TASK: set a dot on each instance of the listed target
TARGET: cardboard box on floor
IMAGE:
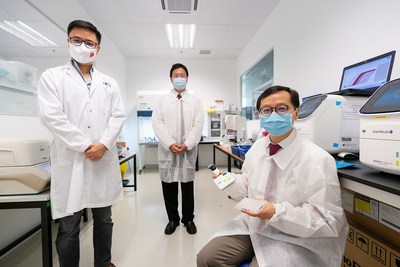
(382, 219)
(365, 249)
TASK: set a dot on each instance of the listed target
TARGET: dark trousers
(170, 193)
(67, 242)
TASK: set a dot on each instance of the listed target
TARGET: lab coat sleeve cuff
(106, 144)
(280, 209)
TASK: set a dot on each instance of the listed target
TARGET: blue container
(235, 150)
(243, 150)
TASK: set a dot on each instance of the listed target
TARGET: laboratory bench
(143, 147)
(237, 161)
(362, 179)
(125, 182)
(41, 201)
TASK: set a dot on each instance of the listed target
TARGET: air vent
(204, 52)
(179, 6)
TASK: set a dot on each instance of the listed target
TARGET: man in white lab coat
(303, 223)
(83, 110)
(178, 123)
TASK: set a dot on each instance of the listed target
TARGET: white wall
(314, 40)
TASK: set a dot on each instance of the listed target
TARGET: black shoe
(170, 228)
(191, 227)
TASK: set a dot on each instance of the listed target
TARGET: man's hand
(265, 213)
(178, 148)
(95, 151)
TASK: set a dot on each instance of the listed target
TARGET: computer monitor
(368, 75)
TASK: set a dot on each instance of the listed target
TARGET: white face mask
(82, 54)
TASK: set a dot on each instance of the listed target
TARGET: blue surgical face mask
(179, 83)
(276, 124)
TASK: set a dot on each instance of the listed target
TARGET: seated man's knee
(206, 257)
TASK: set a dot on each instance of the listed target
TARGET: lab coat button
(89, 127)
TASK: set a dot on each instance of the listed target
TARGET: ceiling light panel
(181, 35)
(26, 33)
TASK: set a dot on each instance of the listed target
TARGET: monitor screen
(369, 74)
(386, 99)
(310, 105)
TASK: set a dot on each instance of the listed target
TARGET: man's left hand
(181, 148)
(96, 151)
(264, 213)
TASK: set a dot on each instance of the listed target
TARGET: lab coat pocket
(165, 159)
(190, 158)
(289, 192)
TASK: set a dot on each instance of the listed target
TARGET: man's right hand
(178, 148)
(175, 148)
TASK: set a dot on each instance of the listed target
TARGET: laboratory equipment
(331, 121)
(24, 166)
(380, 129)
(235, 127)
(365, 77)
(223, 180)
(216, 124)
(253, 130)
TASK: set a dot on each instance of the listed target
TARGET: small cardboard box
(370, 213)
(365, 249)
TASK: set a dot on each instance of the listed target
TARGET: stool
(246, 263)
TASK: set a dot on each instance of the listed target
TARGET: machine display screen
(310, 105)
(387, 99)
(369, 74)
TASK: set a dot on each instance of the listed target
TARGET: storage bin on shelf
(243, 150)
(15, 71)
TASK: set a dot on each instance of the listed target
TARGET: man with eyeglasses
(178, 123)
(83, 110)
(302, 223)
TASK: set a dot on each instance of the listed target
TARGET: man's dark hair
(84, 25)
(177, 66)
(294, 95)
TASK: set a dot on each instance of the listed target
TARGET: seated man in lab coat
(303, 223)
(83, 110)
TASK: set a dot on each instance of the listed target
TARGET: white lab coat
(166, 121)
(309, 227)
(77, 118)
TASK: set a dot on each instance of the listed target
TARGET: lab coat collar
(289, 149)
(72, 72)
(173, 96)
(96, 80)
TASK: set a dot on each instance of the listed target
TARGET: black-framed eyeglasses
(281, 109)
(78, 41)
(179, 75)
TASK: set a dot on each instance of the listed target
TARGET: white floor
(139, 222)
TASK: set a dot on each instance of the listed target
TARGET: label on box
(364, 250)
(367, 206)
(389, 216)
(347, 201)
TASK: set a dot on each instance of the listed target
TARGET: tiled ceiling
(136, 27)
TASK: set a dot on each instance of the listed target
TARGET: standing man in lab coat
(178, 123)
(83, 110)
(303, 223)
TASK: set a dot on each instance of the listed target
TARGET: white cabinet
(17, 99)
(216, 124)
